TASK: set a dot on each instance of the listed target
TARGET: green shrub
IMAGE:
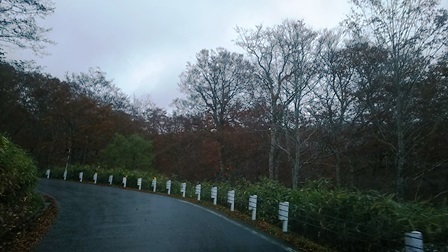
(17, 171)
(17, 183)
(356, 219)
(133, 153)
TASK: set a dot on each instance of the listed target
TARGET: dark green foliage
(340, 218)
(351, 220)
(133, 153)
(17, 183)
(17, 170)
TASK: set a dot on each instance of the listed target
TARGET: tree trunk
(272, 152)
(401, 148)
(338, 169)
(352, 172)
(221, 156)
(296, 168)
(297, 149)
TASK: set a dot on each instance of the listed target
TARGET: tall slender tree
(285, 57)
(336, 97)
(216, 84)
(272, 71)
(413, 33)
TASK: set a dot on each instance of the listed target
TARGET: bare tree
(19, 23)
(304, 45)
(336, 96)
(284, 56)
(412, 32)
(95, 85)
(214, 85)
(154, 119)
(272, 70)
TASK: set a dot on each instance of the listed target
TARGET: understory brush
(18, 200)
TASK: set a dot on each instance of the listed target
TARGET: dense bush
(133, 152)
(350, 219)
(17, 182)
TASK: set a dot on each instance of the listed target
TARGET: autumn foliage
(359, 106)
(58, 126)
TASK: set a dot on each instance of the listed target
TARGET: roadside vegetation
(18, 199)
(335, 218)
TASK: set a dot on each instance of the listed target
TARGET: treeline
(365, 105)
(57, 121)
(74, 121)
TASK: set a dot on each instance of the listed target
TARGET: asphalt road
(99, 218)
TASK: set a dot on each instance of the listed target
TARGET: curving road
(99, 218)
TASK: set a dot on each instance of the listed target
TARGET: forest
(364, 105)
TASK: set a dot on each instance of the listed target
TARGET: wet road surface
(99, 218)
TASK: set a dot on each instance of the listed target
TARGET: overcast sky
(144, 45)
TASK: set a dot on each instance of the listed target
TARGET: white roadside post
(168, 186)
(183, 189)
(413, 241)
(283, 212)
(111, 179)
(95, 177)
(253, 206)
(48, 173)
(80, 176)
(214, 195)
(154, 184)
(65, 174)
(198, 191)
(139, 183)
(125, 179)
(231, 199)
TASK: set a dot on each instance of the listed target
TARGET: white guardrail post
(231, 199)
(65, 174)
(413, 241)
(80, 176)
(214, 194)
(198, 191)
(183, 189)
(48, 173)
(283, 212)
(125, 179)
(111, 179)
(95, 177)
(139, 183)
(253, 206)
(168, 186)
(154, 184)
